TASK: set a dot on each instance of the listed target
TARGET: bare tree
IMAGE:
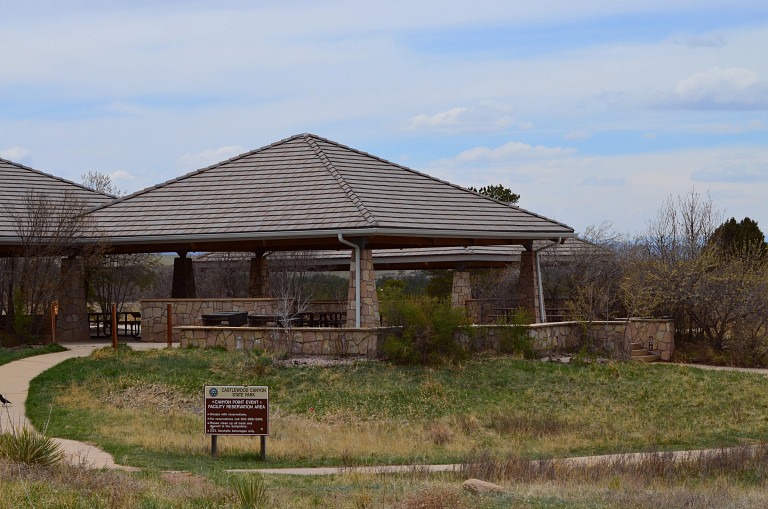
(118, 279)
(289, 274)
(49, 227)
(222, 275)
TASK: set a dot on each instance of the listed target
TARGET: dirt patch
(176, 477)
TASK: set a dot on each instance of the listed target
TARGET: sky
(593, 111)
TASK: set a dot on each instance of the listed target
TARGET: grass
(729, 480)
(146, 409)
(13, 354)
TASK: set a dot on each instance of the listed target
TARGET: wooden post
(214, 448)
(53, 322)
(114, 325)
(263, 447)
(169, 332)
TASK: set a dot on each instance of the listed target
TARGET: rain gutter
(357, 276)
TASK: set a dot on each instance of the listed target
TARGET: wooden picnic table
(101, 324)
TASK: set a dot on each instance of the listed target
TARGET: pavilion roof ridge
(367, 215)
(54, 177)
(426, 175)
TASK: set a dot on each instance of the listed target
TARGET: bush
(514, 339)
(426, 330)
(251, 491)
(30, 447)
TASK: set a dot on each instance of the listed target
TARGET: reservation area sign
(236, 410)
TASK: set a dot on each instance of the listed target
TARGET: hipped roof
(302, 192)
(19, 182)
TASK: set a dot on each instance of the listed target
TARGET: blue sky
(593, 111)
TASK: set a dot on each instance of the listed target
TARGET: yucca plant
(251, 491)
(25, 445)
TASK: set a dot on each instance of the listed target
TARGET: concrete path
(14, 385)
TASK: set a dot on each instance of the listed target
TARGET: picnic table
(230, 318)
(101, 324)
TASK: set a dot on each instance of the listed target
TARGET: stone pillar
(183, 278)
(72, 322)
(258, 283)
(528, 286)
(369, 301)
(462, 288)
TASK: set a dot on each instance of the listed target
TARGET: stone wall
(369, 300)
(72, 322)
(612, 337)
(297, 341)
(154, 320)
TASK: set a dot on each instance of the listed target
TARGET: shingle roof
(18, 181)
(307, 187)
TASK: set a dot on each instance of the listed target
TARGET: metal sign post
(237, 410)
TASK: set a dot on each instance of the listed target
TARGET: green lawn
(146, 409)
(13, 354)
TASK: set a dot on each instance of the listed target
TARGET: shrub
(515, 339)
(426, 330)
(27, 446)
(251, 491)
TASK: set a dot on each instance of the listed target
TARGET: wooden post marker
(114, 325)
(169, 332)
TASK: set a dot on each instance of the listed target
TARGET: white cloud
(487, 117)
(444, 119)
(732, 128)
(578, 135)
(208, 157)
(708, 40)
(15, 154)
(716, 88)
(511, 150)
(121, 175)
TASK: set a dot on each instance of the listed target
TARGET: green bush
(515, 339)
(27, 446)
(425, 330)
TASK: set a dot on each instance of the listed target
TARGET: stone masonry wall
(461, 290)
(613, 337)
(297, 341)
(154, 321)
(72, 322)
(369, 300)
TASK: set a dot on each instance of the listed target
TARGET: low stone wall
(154, 317)
(613, 337)
(296, 341)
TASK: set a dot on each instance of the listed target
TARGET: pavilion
(307, 193)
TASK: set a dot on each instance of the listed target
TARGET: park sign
(236, 410)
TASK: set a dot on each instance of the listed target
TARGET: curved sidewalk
(14, 385)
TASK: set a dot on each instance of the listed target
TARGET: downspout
(542, 310)
(357, 276)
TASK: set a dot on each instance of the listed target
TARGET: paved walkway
(14, 385)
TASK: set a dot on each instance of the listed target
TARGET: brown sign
(236, 410)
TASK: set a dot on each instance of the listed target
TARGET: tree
(712, 280)
(498, 192)
(100, 182)
(49, 227)
(732, 235)
(116, 278)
